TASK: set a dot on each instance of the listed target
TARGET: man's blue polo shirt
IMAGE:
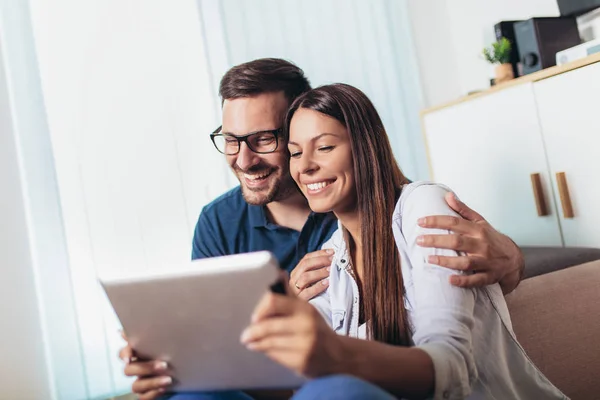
(229, 225)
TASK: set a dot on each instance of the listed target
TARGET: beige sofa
(556, 317)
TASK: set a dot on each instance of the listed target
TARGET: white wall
(450, 35)
(436, 57)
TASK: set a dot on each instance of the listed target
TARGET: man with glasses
(268, 212)
(261, 142)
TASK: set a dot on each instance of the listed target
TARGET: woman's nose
(307, 164)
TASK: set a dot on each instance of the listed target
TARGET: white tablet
(193, 317)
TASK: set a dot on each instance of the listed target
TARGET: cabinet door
(486, 150)
(569, 109)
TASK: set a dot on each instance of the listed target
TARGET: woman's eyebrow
(315, 138)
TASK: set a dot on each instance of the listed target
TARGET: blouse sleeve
(442, 314)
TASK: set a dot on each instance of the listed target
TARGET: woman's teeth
(317, 186)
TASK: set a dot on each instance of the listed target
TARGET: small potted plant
(499, 53)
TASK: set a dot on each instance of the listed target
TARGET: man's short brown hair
(265, 75)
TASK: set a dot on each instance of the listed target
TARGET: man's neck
(291, 212)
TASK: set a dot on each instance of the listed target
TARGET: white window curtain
(115, 156)
(367, 44)
(116, 161)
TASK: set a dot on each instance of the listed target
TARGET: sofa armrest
(556, 318)
(543, 260)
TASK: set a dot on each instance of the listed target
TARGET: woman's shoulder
(423, 198)
(421, 189)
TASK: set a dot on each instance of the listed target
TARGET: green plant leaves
(499, 52)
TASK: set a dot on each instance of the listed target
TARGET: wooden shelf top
(535, 77)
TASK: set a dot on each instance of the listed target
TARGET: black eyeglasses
(261, 142)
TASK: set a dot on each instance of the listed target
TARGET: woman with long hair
(424, 337)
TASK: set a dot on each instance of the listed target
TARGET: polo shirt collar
(257, 216)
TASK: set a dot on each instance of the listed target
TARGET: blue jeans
(335, 387)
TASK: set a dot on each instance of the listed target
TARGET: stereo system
(537, 40)
(577, 7)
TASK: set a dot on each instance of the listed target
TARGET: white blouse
(466, 332)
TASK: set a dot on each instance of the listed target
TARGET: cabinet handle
(565, 197)
(538, 194)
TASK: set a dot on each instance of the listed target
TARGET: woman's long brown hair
(378, 180)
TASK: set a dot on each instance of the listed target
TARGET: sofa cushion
(556, 318)
(542, 260)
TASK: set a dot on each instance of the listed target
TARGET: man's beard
(280, 185)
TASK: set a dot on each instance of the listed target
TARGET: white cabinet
(486, 148)
(478, 149)
(569, 113)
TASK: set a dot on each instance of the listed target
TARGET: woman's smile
(315, 188)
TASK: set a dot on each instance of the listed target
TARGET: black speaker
(507, 29)
(539, 39)
(577, 7)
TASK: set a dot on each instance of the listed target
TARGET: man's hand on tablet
(152, 376)
(311, 276)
